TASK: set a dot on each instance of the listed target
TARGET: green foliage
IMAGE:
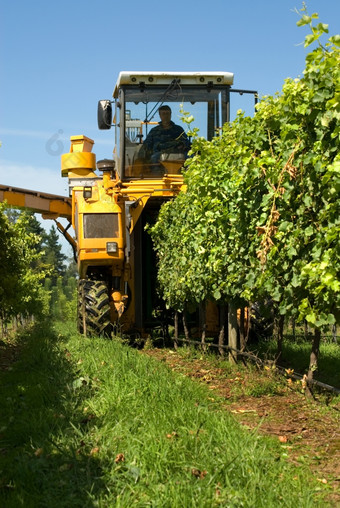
(260, 217)
(63, 299)
(295, 355)
(62, 279)
(34, 279)
(53, 255)
(21, 291)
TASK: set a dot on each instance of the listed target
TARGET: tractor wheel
(93, 308)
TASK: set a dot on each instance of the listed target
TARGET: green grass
(87, 423)
(258, 382)
(295, 355)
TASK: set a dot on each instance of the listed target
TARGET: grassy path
(88, 423)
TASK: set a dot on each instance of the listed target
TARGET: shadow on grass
(45, 447)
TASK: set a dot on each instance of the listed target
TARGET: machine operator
(165, 137)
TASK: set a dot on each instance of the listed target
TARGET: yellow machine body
(110, 201)
(106, 211)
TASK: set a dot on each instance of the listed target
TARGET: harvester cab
(149, 145)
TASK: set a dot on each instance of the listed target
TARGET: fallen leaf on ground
(198, 473)
(173, 434)
(88, 418)
(243, 411)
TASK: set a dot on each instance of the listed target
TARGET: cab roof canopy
(165, 78)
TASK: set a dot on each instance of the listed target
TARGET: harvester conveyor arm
(39, 202)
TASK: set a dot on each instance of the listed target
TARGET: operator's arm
(149, 141)
(181, 139)
(148, 146)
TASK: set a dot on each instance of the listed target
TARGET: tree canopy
(34, 277)
(21, 291)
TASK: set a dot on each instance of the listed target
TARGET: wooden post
(232, 332)
(221, 336)
(203, 320)
(313, 361)
(334, 336)
(185, 325)
(176, 330)
(279, 323)
(294, 328)
(243, 338)
(247, 323)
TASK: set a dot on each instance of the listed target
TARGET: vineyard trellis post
(243, 333)
(176, 329)
(279, 324)
(185, 325)
(221, 336)
(313, 361)
(232, 332)
(203, 322)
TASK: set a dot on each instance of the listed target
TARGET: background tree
(53, 255)
(35, 279)
(21, 291)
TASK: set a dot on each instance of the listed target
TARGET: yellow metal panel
(14, 198)
(82, 173)
(100, 244)
(77, 160)
(98, 207)
(81, 144)
(101, 256)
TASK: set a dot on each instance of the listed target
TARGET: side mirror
(104, 115)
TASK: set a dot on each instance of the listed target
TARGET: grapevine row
(260, 217)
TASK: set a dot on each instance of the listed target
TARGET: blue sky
(59, 58)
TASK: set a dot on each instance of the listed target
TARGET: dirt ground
(308, 430)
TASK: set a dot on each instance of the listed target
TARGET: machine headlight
(111, 247)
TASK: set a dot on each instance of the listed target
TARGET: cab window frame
(128, 93)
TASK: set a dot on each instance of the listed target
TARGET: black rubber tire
(94, 296)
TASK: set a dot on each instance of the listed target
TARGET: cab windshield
(155, 139)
